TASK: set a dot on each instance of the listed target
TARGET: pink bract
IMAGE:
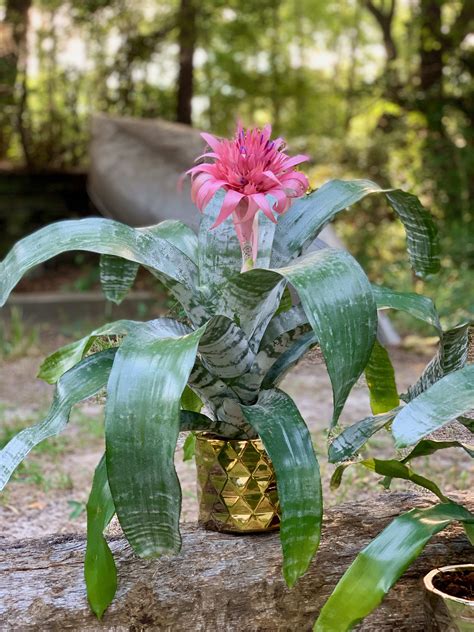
(248, 167)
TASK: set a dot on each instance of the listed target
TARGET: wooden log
(218, 582)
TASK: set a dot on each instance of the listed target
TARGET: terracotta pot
(444, 612)
(236, 486)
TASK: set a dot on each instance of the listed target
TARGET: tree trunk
(187, 44)
(218, 582)
(431, 63)
(13, 33)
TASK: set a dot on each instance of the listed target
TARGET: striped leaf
(105, 237)
(445, 400)
(224, 348)
(303, 222)
(354, 437)
(380, 564)
(337, 299)
(100, 572)
(451, 356)
(117, 277)
(419, 306)
(149, 375)
(79, 383)
(287, 440)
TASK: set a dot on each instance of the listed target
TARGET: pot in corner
(449, 601)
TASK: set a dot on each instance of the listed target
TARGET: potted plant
(449, 598)
(443, 393)
(241, 332)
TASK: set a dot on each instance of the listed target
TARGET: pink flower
(248, 167)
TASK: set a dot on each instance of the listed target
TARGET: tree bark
(187, 44)
(13, 33)
(218, 582)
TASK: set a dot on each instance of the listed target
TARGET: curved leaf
(338, 301)
(68, 356)
(224, 348)
(417, 305)
(178, 234)
(79, 383)
(380, 564)
(306, 218)
(380, 377)
(103, 236)
(428, 446)
(354, 437)
(117, 277)
(451, 396)
(100, 572)
(393, 469)
(451, 356)
(287, 360)
(150, 372)
(287, 440)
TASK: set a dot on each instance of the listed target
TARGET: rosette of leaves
(241, 333)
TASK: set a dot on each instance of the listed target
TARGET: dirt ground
(48, 492)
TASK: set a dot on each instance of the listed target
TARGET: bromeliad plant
(242, 332)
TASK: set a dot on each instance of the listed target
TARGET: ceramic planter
(445, 612)
(236, 486)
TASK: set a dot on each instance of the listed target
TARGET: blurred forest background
(369, 88)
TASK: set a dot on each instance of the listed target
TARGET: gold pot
(236, 486)
(443, 612)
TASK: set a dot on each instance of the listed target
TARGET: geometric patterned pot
(443, 612)
(236, 486)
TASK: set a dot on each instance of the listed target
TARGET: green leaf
(354, 437)
(287, 360)
(178, 234)
(99, 567)
(303, 222)
(285, 303)
(117, 277)
(190, 401)
(219, 251)
(189, 447)
(419, 306)
(106, 237)
(288, 443)
(338, 301)
(451, 356)
(380, 564)
(467, 422)
(397, 469)
(380, 377)
(451, 396)
(150, 372)
(428, 446)
(79, 383)
(224, 348)
(68, 356)
(280, 340)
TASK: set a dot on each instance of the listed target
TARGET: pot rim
(428, 582)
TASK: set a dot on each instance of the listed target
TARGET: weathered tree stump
(218, 582)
